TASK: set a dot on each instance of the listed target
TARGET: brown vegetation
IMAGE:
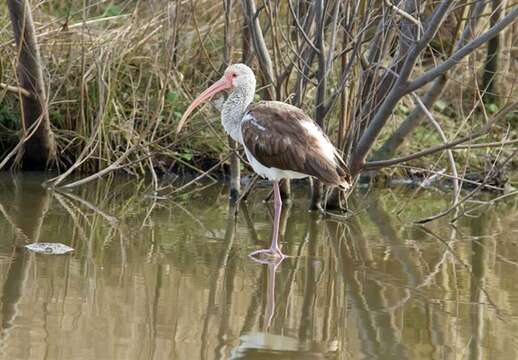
(120, 74)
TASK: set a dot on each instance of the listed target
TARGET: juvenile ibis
(280, 140)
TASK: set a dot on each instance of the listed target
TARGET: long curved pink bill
(220, 85)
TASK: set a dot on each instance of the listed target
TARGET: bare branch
(487, 145)
(463, 52)
(402, 87)
(301, 30)
(467, 197)
(451, 158)
(397, 138)
(320, 111)
(371, 165)
(404, 14)
(16, 89)
(265, 61)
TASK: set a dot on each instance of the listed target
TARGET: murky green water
(170, 279)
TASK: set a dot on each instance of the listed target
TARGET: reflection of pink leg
(274, 249)
(270, 295)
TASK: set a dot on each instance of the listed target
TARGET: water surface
(170, 278)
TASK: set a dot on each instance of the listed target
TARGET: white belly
(271, 173)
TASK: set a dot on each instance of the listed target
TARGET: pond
(169, 278)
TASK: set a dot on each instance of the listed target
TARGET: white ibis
(280, 140)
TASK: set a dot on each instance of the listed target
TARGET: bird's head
(241, 76)
(236, 77)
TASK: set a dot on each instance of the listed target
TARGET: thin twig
(372, 165)
(404, 14)
(16, 89)
(202, 175)
(453, 165)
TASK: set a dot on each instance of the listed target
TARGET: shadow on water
(171, 279)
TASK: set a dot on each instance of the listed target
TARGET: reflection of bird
(269, 346)
(280, 141)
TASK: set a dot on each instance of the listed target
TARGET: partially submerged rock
(49, 248)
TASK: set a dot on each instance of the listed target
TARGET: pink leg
(274, 249)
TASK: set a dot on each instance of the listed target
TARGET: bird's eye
(234, 75)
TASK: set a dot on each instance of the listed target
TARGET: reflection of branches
(383, 222)
(66, 199)
(369, 325)
(12, 291)
(223, 273)
(194, 218)
(249, 223)
(478, 281)
(112, 220)
(228, 272)
(71, 209)
(19, 232)
(32, 203)
(466, 266)
(253, 309)
(310, 293)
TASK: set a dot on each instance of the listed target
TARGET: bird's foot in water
(267, 256)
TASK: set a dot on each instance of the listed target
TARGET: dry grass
(121, 73)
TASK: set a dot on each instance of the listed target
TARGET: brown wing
(282, 136)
